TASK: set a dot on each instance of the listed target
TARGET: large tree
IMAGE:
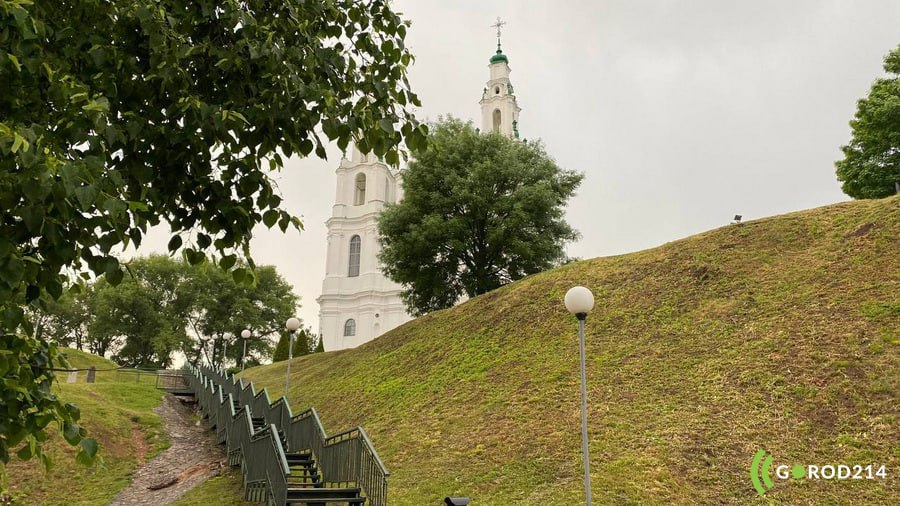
(146, 313)
(121, 114)
(225, 308)
(478, 211)
(871, 165)
(65, 320)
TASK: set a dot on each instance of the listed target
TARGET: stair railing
(350, 457)
(265, 447)
(347, 458)
(261, 403)
(239, 423)
(225, 409)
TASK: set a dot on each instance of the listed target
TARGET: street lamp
(246, 335)
(579, 301)
(292, 325)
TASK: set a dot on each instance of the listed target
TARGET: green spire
(499, 56)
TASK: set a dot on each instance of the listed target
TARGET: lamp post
(292, 325)
(579, 301)
(246, 335)
(225, 337)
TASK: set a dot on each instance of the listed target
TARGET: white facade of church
(358, 302)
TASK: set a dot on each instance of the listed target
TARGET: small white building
(358, 302)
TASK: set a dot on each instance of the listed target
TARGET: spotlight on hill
(456, 501)
(579, 301)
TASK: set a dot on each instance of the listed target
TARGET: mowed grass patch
(779, 334)
(120, 416)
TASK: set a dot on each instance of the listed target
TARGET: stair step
(313, 481)
(323, 500)
(326, 492)
(295, 486)
(296, 470)
(314, 478)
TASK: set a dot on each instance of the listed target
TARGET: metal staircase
(286, 458)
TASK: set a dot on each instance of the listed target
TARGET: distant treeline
(163, 306)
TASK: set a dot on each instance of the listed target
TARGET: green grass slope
(779, 334)
(226, 489)
(82, 360)
(119, 415)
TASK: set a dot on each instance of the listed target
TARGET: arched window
(359, 197)
(354, 256)
(350, 327)
(496, 90)
(496, 120)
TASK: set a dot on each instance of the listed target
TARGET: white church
(358, 302)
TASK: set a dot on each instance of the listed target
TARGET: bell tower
(358, 302)
(499, 110)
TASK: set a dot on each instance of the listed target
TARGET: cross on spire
(498, 25)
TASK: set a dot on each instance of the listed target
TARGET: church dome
(499, 57)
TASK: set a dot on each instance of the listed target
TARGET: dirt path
(140, 443)
(192, 459)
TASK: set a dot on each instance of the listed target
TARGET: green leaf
(97, 105)
(227, 262)
(32, 293)
(174, 243)
(194, 257)
(83, 459)
(33, 216)
(137, 206)
(26, 452)
(19, 142)
(54, 288)
(15, 61)
(6, 247)
(115, 277)
(90, 447)
(270, 217)
(86, 196)
(239, 116)
(71, 432)
(306, 147)
(239, 275)
(73, 411)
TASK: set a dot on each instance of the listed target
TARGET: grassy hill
(119, 415)
(779, 334)
(82, 360)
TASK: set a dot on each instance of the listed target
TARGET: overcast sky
(680, 114)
